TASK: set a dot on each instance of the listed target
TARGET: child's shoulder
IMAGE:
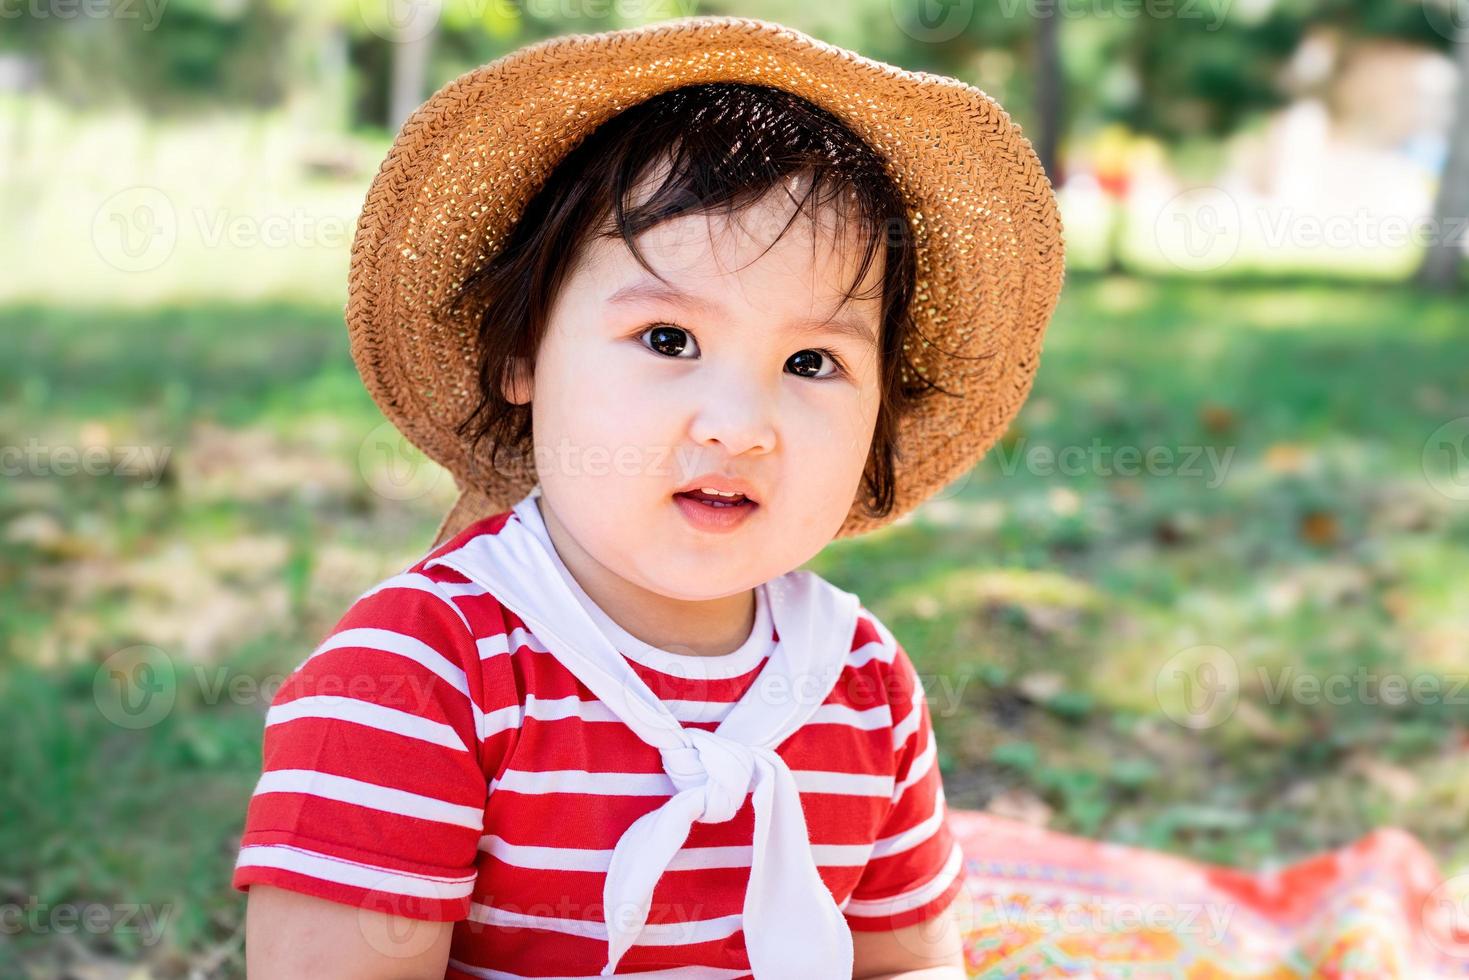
(441, 580)
(875, 650)
(433, 604)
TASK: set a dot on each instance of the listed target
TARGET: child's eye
(667, 339)
(672, 341)
(811, 357)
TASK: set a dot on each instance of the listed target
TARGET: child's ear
(517, 386)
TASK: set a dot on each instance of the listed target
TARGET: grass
(1056, 615)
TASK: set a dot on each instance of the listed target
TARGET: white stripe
(675, 973)
(456, 589)
(344, 789)
(917, 834)
(503, 643)
(904, 729)
(581, 781)
(842, 783)
(497, 721)
(686, 711)
(913, 898)
(421, 583)
(884, 635)
(327, 868)
(658, 784)
(366, 713)
(571, 706)
(593, 711)
(411, 648)
(688, 859)
(400, 644)
(872, 650)
(653, 934)
(868, 719)
(920, 768)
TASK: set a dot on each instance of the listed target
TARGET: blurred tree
(1049, 82)
(1440, 268)
(179, 56)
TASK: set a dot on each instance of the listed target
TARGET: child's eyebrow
(652, 289)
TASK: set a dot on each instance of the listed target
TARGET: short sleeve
(372, 786)
(916, 866)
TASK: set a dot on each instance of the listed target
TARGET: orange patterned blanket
(1045, 904)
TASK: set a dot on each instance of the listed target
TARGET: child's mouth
(713, 501)
(708, 513)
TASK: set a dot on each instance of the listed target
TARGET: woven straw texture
(985, 223)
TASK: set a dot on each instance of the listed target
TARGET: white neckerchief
(794, 929)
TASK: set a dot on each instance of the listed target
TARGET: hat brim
(986, 225)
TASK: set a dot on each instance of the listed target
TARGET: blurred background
(1208, 596)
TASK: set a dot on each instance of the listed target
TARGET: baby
(606, 724)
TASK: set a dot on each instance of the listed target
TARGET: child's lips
(709, 516)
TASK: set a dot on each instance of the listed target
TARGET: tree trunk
(410, 71)
(1440, 268)
(1048, 89)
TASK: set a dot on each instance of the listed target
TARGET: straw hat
(987, 230)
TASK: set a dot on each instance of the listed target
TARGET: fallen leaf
(1320, 527)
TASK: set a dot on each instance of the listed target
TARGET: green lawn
(1056, 611)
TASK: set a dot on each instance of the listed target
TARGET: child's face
(624, 416)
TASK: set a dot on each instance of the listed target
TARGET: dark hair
(727, 144)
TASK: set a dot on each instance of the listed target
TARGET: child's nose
(741, 417)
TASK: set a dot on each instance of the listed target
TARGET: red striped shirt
(432, 759)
